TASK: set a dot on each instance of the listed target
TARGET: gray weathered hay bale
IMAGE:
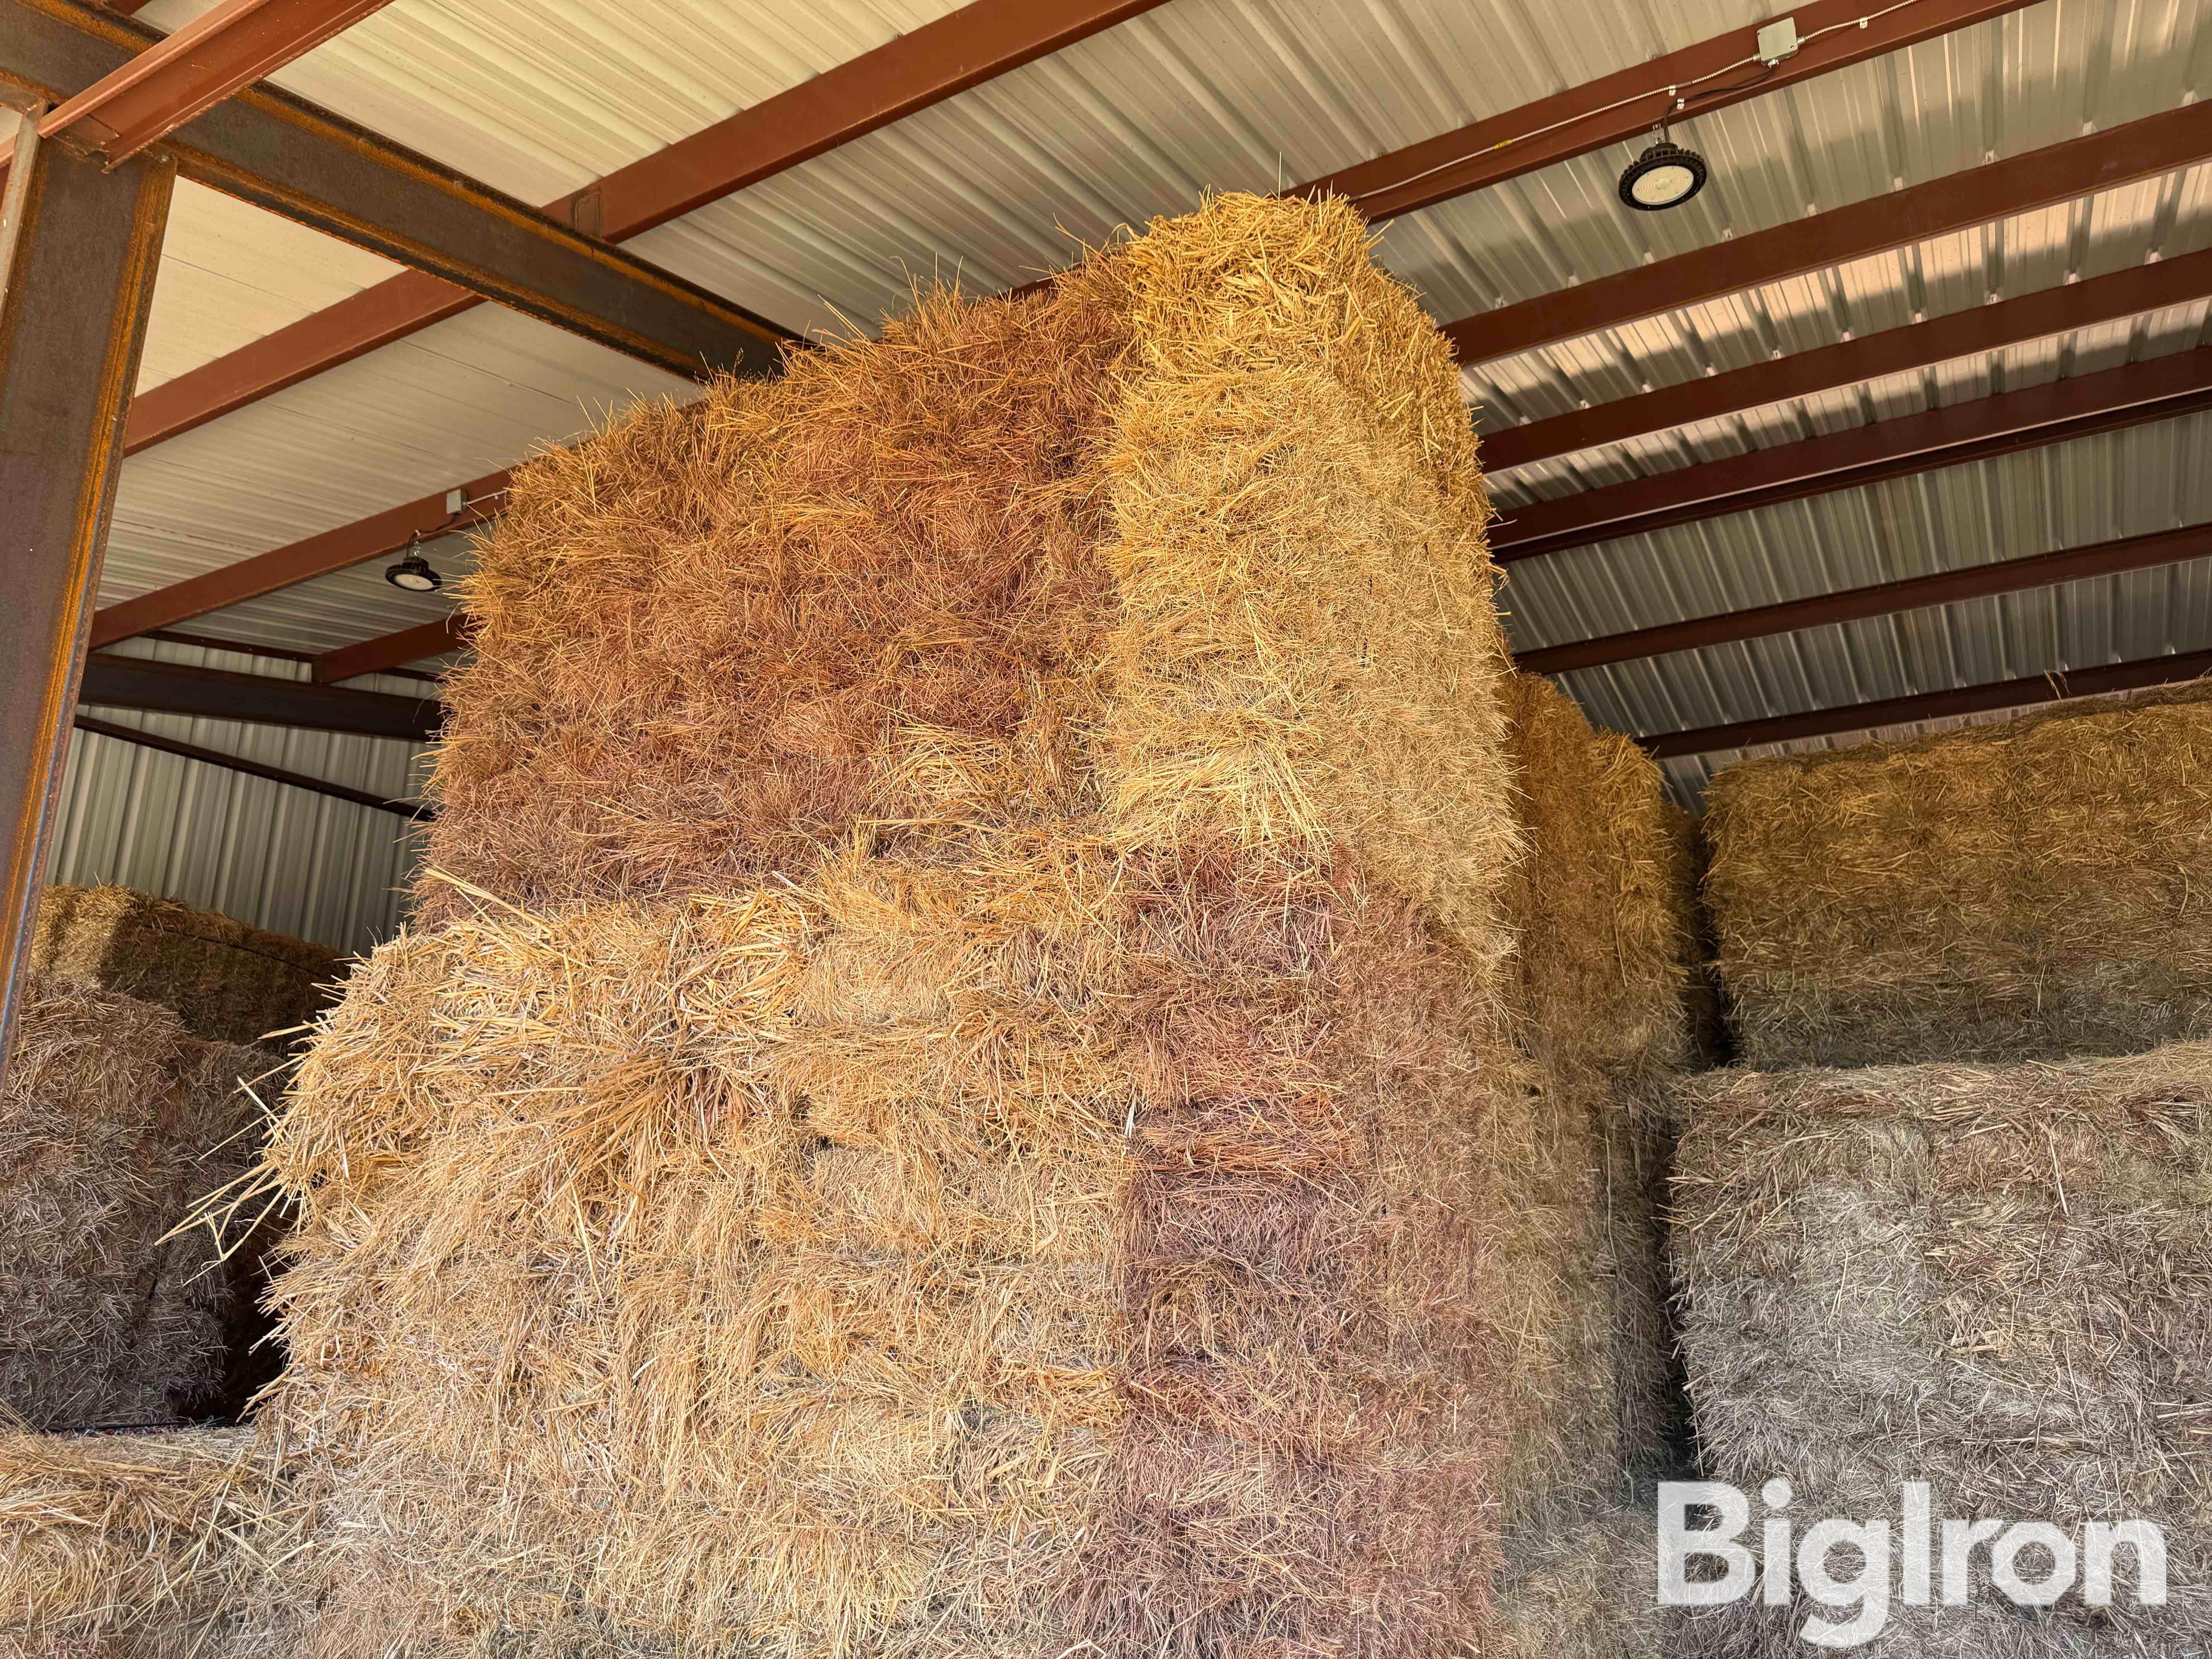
(128, 1545)
(1999, 1281)
(947, 1102)
(2022, 891)
(114, 1122)
(228, 982)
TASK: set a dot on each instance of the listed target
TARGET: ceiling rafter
(920, 68)
(1979, 428)
(2040, 315)
(1978, 581)
(2030, 689)
(2064, 171)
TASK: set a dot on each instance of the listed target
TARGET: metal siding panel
(268, 854)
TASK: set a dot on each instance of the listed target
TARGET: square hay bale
(1604, 904)
(1189, 544)
(1602, 910)
(909, 1261)
(228, 982)
(2022, 891)
(959, 1089)
(127, 1546)
(114, 1123)
(1997, 1281)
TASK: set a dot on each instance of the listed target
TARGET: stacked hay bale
(126, 1546)
(1601, 918)
(228, 982)
(959, 1088)
(1995, 1280)
(114, 1124)
(2023, 891)
(1601, 907)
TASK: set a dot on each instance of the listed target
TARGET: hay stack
(949, 1101)
(1998, 1281)
(126, 1546)
(113, 1123)
(2022, 891)
(228, 982)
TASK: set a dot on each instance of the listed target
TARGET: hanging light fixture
(413, 572)
(1666, 175)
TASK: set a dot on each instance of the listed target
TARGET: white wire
(1674, 91)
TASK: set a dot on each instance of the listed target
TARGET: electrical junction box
(1778, 39)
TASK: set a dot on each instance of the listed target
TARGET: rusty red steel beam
(1829, 368)
(281, 152)
(923, 67)
(251, 769)
(2024, 692)
(157, 91)
(1976, 429)
(389, 650)
(81, 247)
(378, 534)
(1979, 581)
(2057, 173)
(1620, 107)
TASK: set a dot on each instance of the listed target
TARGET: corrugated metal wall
(266, 854)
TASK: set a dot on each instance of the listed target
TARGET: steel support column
(79, 280)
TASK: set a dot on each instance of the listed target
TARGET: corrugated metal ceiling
(1246, 94)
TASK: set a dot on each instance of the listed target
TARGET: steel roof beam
(2057, 173)
(390, 650)
(202, 63)
(294, 159)
(1879, 600)
(373, 537)
(1622, 107)
(216, 694)
(251, 769)
(1978, 429)
(2041, 315)
(2023, 693)
(922, 68)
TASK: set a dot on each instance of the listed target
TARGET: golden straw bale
(126, 1546)
(710, 1270)
(1018, 559)
(2020, 891)
(228, 982)
(1600, 907)
(1996, 1281)
(1601, 904)
(114, 1123)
